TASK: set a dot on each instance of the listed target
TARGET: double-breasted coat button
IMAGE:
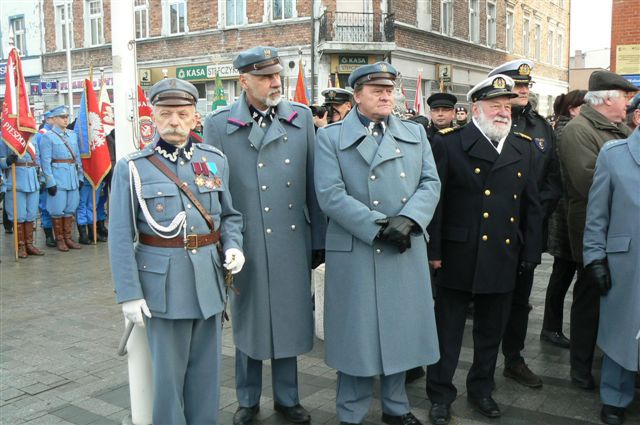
(397, 150)
(267, 209)
(376, 203)
(263, 188)
(144, 267)
(264, 124)
(519, 174)
(402, 175)
(285, 138)
(512, 219)
(251, 145)
(403, 200)
(290, 206)
(373, 177)
(288, 184)
(192, 228)
(287, 161)
(378, 251)
(515, 196)
(268, 231)
(485, 237)
(293, 227)
(487, 192)
(476, 170)
(260, 165)
(485, 215)
(507, 241)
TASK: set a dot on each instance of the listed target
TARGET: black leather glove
(80, 184)
(52, 190)
(597, 273)
(396, 230)
(317, 257)
(11, 158)
(526, 266)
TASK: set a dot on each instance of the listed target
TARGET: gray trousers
(354, 394)
(284, 380)
(185, 356)
(617, 384)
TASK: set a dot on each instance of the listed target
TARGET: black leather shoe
(556, 338)
(349, 423)
(584, 381)
(407, 419)
(521, 373)
(485, 405)
(440, 413)
(612, 415)
(245, 415)
(296, 414)
(414, 374)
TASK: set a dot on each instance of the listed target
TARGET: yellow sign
(628, 59)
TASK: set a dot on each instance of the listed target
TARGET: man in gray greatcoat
(269, 143)
(378, 184)
(164, 242)
(612, 264)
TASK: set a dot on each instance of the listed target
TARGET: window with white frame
(474, 21)
(559, 49)
(176, 16)
(19, 38)
(551, 34)
(446, 14)
(509, 21)
(491, 24)
(537, 39)
(423, 12)
(93, 20)
(64, 20)
(283, 9)
(234, 12)
(141, 16)
(526, 28)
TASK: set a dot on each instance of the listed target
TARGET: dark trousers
(585, 313)
(489, 318)
(516, 330)
(559, 282)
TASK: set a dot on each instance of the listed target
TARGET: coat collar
(600, 122)
(476, 144)
(352, 130)
(240, 116)
(634, 144)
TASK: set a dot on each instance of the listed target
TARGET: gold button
(260, 165)
(512, 219)
(485, 237)
(402, 175)
(477, 171)
(293, 227)
(194, 251)
(287, 161)
(485, 215)
(487, 192)
(519, 174)
(515, 196)
(507, 241)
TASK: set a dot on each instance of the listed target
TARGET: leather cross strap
(184, 188)
(67, 145)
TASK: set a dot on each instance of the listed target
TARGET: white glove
(133, 310)
(233, 260)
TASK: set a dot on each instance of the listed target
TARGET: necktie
(495, 143)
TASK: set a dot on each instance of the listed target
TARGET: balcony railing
(348, 27)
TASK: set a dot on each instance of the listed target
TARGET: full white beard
(491, 130)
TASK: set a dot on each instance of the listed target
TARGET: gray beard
(491, 130)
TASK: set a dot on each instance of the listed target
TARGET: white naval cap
(489, 88)
(518, 69)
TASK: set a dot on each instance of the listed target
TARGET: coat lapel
(510, 153)
(634, 145)
(389, 147)
(476, 144)
(352, 131)
(239, 115)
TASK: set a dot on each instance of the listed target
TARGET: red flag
(98, 163)
(418, 103)
(106, 110)
(301, 92)
(147, 129)
(18, 124)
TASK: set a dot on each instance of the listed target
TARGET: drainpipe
(313, 53)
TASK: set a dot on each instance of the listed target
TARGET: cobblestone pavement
(60, 327)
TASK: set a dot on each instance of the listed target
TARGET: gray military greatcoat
(271, 183)
(613, 231)
(378, 313)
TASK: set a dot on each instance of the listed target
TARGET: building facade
(452, 43)
(625, 39)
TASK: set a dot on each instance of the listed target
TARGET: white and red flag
(147, 129)
(418, 103)
(18, 123)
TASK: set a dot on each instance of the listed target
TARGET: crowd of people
(420, 223)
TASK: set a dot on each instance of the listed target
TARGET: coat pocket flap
(156, 190)
(153, 264)
(338, 242)
(456, 234)
(618, 243)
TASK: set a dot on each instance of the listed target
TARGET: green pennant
(219, 98)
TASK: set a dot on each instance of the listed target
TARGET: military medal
(197, 169)
(199, 181)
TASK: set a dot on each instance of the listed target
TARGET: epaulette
(218, 110)
(299, 105)
(448, 130)
(613, 143)
(524, 136)
(138, 154)
(209, 148)
(333, 124)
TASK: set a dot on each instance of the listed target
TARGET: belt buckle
(191, 242)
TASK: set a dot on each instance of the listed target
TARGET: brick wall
(625, 16)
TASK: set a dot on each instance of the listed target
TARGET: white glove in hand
(233, 260)
(133, 310)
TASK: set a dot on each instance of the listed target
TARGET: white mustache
(173, 132)
(274, 92)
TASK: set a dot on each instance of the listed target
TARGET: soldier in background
(461, 115)
(442, 112)
(45, 217)
(269, 144)
(337, 104)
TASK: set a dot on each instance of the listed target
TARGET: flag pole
(67, 15)
(15, 208)
(95, 225)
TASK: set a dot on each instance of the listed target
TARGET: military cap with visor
(58, 111)
(519, 70)
(173, 92)
(496, 86)
(261, 60)
(336, 96)
(379, 74)
(442, 100)
(607, 80)
(461, 109)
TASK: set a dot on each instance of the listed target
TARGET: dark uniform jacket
(489, 212)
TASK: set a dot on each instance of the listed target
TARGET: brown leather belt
(193, 240)
(63, 161)
(25, 164)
